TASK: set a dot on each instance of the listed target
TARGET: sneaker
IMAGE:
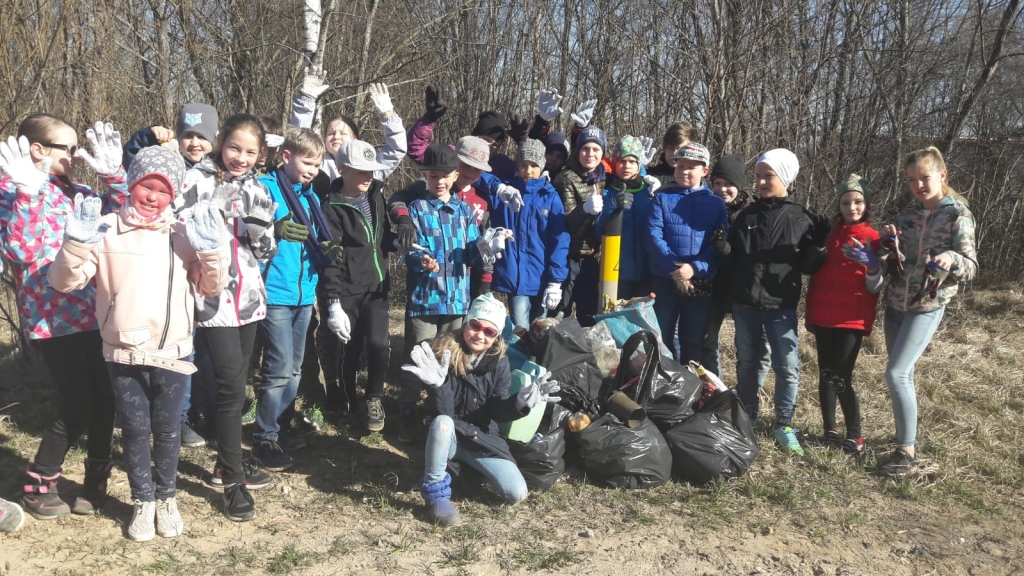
(854, 446)
(143, 525)
(374, 415)
(314, 417)
(408, 427)
(12, 517)
(168, 520)
(254, 477)
(785, 437)
(238, 504)
(250, 415)
(291, 441)
(269, 455)
(189, 437)
(899, 464)
(833, 439)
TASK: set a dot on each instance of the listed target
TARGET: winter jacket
(363, 266)
(681, 222)
(303, 111)
(948, 228)
(146, 282)
(634, 264)
(722, 287)
(245, 299)
(31, 234)
(476, 402)
(448, 232)
(771, 246)
(574, 190)
(537, 256)
(290, 276)
(663, 171)
(841, 293)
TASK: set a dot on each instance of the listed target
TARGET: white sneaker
(168, 520)
(143, 526)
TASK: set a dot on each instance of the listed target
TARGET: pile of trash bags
(630, 416)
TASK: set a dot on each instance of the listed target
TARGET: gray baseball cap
(358, 155)
(474, 151)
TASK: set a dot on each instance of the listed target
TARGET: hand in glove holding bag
(585, 113)
(538, 391)
(552, 296)
(105, 142)
(426, 367)
(338, 322)
(594, 205)
(511, 197)
(205, 227)
(83, 223)
(16, 162)
(547, 105)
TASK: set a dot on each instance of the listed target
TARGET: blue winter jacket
(634, 265)
(290, 276)
(680, 224)
(538, 255)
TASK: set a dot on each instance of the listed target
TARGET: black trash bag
(617, 456)
(667, 390)
(565, 352)
(541, 461)
(715, 444)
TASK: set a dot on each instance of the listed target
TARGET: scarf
(315, 221)
(130, 216)
(595, 176)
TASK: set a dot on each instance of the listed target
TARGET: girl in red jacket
(841, 303)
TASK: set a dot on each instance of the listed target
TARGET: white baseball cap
(474, 151)
(358, 155)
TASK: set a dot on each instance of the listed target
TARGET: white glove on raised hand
(313, 83)
(16, 161)
(540, 390)
(547, 104)
(105, 142)
(511, 197)
(552, 296)
(338, 322)
(653, 183)
(650, 152)
(585, 113)
(205, 227)
(381, 98)
(594, 204)
(83, 223)
(426, 367)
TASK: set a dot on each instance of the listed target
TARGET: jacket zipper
(369, 233)
(170, 290)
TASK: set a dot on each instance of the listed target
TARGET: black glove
(720, 240)
(821, 228)
(434, 104)
(624, 200)
(518, 128)
(407, 235)
(482, 288)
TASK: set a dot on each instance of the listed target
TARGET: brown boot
(41, 499)
(94, 489)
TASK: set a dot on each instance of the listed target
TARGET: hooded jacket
(363, 266)
(681, 222)
(290, 276)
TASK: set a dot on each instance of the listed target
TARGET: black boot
(94, 489)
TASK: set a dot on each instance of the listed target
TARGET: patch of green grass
(236, 556)
(341, 546)
(462, 554)
(289, 559)
(166, 564)
(536, 558)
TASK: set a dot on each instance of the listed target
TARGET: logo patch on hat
(479, 154)
(368, 155)
(194, 119)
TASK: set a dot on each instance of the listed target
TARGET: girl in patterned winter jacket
(36, 194)
(936, 240)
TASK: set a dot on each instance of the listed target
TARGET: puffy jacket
(681, 223)
(771, 246)
(448, 232)
(146, 281)
(948, 228)
(537, 256)
(31, 234)
(476, 402)
(841, 294)
(575, 191)
(290, 277)
(634, 264)
(363, 266)
(245, 299)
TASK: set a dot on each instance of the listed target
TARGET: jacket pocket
(134, 336)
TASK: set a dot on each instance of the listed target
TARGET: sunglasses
(477, 326)
(69, 148)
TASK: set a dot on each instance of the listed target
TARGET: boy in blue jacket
(683, 261)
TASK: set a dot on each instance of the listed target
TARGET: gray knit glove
(84, 222)
(205, 227)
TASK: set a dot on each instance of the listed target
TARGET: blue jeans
(780, 327)
(907, 334)
(710, 358)
(680, 316)
(442, 445)
(284, 343)
(526, 309)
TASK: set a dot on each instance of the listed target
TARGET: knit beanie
(531, 151)
(557, 141)
(160, 162)
(852, 183)
(490, 124)
(198, 119)
(592, 134)
(628, 146)
(783, 162)
(487, 307)
(731, 168)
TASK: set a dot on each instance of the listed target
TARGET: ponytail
(931, 157)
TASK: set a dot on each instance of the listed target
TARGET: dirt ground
(351, 506)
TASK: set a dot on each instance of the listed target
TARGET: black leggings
(368, 314)
(837, 354)
(85, 401)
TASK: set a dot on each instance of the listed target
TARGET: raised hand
(228, 199)
(426, 367)
(84, 224)
(205, 227)
(538, 391)
(313, 83)
(547, 104)
(381, 98)
(105, 142)
(16, 161)
(434, 105)
(518, 128)
(585, 113)
(650, 152)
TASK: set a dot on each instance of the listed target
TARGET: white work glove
(492, 243)
(653, 184)
(338, 322)
(650, 152)
(426, 367)
(105, 142)
(552, 296)
(313, 83)
(381, 98)
(511, 196)
(274, 140)
(585, 113)
(594, 204)
(83, 223)
(547, 104)
(540, 390)
(16, 161)
(205, 227)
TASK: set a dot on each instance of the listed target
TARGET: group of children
(216, 240)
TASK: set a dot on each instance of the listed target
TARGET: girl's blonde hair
(452, 341)
(931, 158)
(40, 127)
